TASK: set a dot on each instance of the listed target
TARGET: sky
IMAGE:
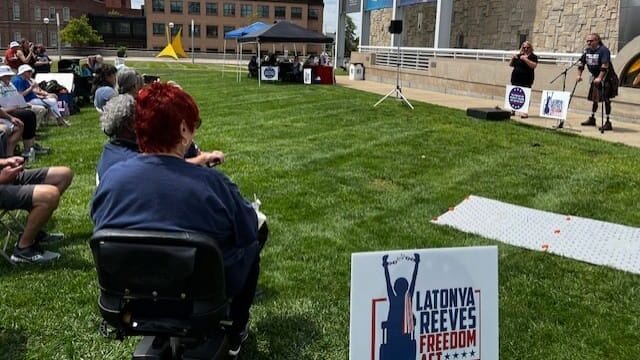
(329, 14)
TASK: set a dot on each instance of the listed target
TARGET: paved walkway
(623, 132)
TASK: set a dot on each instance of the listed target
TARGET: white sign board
(554, 104)
(433, 304)
(517, 98)
(307, 76)
(269, 73)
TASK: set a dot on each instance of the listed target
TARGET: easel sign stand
(396, 28)
(563, 73)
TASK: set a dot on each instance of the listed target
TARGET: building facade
(551, 25)
(35, 20)
(214, 18)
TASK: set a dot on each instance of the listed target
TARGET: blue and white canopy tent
(238, 33)
(284, 32)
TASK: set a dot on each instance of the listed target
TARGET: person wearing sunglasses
(523, 64)
(604, 84)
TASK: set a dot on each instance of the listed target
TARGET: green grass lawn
(337, 176)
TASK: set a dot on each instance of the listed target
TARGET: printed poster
(269, 73)
(517, 98)
(555, 104)
(435, 304)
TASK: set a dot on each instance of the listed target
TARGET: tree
(79, 32)
(350, 39)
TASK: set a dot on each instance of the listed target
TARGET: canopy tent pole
(259, 66)
(295, 52)
(224, 55)
(239, 60)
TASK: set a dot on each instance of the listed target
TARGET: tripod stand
(398, 90)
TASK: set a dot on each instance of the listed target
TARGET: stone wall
(379, 32)
(551, 25)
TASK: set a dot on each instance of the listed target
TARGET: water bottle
(32, 155)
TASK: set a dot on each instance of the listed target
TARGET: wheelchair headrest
(136, 264)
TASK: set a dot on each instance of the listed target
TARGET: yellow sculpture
(174, 48)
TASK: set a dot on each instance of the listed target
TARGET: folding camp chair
(10, 223)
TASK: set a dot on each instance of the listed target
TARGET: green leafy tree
(350, 39)
(79, 32)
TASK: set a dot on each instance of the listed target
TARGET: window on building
(228, 28)
(212, 9)
(66, 14)
(39, 37)
(212, 31)
(123, 28)
(246, 10)
(521, 38)
(37, 15)
(280, 12)
(104, 27)
(313, 14)
(52, 13)
(158, 29)
(196, 30)
(16, 11)
(17, 36)
(53, 38)
(157, 5)
(176, 6)
(229, 9)
(139, 29)
(296, 12)
(194, 7)
(263, 11)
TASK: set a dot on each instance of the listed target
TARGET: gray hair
(117, 114)
(128, 80)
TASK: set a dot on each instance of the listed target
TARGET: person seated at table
(185, 197)
(104, 84)
(253, 67)
(32, 94)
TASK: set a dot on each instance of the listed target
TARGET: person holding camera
(523, 64)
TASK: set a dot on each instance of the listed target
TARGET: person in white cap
(13, 103)
(11, 56)
(32, 93)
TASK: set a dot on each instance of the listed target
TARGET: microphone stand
(563, 73)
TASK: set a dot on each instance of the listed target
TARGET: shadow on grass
(69, 259)
(13, 343)
(285, 336)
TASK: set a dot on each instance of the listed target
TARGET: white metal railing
(419, 58)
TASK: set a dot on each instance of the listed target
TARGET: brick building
(213, 19)
(28, 18)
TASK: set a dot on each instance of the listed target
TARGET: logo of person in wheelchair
(269, 73)
(398, 330)
(427, 323)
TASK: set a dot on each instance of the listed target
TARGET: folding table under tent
(237, 33)
(284, 32)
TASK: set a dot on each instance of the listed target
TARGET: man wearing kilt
(604, 85)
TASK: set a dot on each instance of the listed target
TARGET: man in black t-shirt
(604, 86)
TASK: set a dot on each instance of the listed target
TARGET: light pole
(169, 32)
(58, 36)
(46, 32)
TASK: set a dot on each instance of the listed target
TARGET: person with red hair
(159, 190)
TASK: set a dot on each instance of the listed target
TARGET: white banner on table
(269, 73)
(517, 98)
(307, 76)
(554, 104)
(432, 304)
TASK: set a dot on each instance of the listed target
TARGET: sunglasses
(590, 41)
(198, 123)
(526, 47)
